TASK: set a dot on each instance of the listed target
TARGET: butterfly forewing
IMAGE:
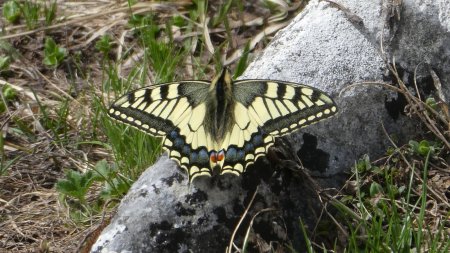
(280, 108)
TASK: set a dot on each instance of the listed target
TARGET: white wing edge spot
(307, 91)
(272, 89)
(239, 167)
(260, 150)
(175, 153)
(173, 91)
(156, 93)
(184, 160)
(139, 93)
(168, 142)
(290, 92)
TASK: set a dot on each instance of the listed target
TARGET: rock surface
(329, 46)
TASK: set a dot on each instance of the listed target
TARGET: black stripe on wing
(149, 109)
(283, 107)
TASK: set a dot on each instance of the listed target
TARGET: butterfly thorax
(219, 117)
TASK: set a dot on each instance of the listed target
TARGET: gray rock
(327, 46)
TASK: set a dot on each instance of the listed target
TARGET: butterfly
(223, 124)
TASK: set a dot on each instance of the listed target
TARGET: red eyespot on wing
(220, 156)
(215, 157)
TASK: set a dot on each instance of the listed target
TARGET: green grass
(30, 11)
(385, 215)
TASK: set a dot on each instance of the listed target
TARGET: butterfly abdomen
(219, 117)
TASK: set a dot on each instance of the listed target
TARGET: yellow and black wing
(176, 112)
(224, 123)
(265, 109)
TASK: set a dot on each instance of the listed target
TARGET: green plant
(30, 12)
(76, 185)
(386, 216)
(222, 16)
(423, 148)
(8, 94)
(4, 62)
(53, 54)
(50, 12)
(179, 21)
(2, 107)
(163, 56)
(242, 63)
(55, 121)
(308, 243)
(11, 11)
(23, 129)
(104, 44)
(5, 164)
(115, 185)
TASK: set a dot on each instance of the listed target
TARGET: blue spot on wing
(249, 147)
(257, 140)
(234, 155)
(193, 158)
(186, 150)
(203, 157)
(237, 155)
(178, 143)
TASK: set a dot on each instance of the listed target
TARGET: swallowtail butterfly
(222, 124)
